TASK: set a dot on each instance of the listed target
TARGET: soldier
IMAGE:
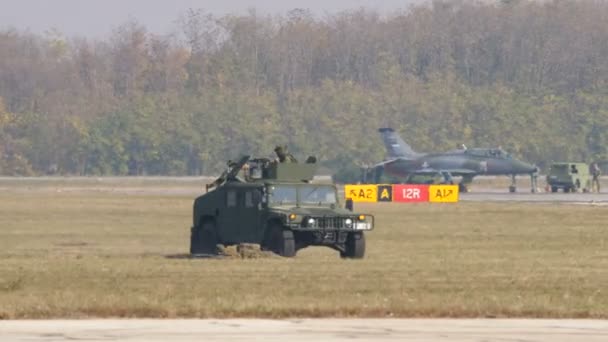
(595, 172)
(284, 155)
(245, 172)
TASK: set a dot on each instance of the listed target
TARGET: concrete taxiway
(331, 330)
(487, 195)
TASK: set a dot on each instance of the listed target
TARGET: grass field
(74, 250)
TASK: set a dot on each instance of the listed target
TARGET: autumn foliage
(529, 76)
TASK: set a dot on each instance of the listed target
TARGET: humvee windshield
(307, 194)
(563, 169)
(317, 194)
(280, 194)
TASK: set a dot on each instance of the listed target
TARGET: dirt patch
(12, 285)
(248, 251)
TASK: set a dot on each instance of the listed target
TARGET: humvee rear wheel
(355, 246)
(283, 242)
(203, 239)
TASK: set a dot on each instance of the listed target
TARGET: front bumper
(333, 223)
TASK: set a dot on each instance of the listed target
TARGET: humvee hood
(313, 211)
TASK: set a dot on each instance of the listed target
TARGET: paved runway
(331, 330)
(503, 196)
(482, 190)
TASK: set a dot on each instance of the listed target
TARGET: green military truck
(570, 177)
(429, 177)
(276, 205)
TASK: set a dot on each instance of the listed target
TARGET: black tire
(203, 239)
(354, 246)
(282, 242)
(553, 189)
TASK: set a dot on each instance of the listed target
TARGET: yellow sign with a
(443, 193)
(385, 193)
(361, 193)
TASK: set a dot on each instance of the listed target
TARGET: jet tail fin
(395, 146)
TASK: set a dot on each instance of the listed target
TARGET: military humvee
(571, 177)
(276, 205)
(429, 177)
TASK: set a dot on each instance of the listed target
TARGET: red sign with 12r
(410, 193)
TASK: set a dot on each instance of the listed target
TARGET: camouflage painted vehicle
(276, 205)
(429, 177)
(571, 177)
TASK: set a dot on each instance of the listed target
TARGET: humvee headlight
(348, 222)
(292, 217)
(361, 217)
(311, 222)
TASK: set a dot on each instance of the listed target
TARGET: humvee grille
(329, 222)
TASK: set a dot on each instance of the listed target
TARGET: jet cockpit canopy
(488, 152)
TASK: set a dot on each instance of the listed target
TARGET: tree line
(529, 76)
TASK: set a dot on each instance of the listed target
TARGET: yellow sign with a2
(361, 193)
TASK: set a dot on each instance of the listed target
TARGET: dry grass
(79, 253)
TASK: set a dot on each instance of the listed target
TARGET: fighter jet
(402, 161)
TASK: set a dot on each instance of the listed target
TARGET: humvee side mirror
(257, 196)
(263, 196)
(349, 204)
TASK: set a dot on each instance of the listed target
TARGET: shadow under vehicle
(276, 205)
(570, 177)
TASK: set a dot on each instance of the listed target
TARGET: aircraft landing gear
(534, 182)
(371, 174)
(463, 186)
(513, 186)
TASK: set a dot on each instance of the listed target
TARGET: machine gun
(229, 174)
(285, 167)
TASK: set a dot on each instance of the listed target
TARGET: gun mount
(262, 169)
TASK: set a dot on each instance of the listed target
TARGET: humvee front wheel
(355, 246)
(203, 239)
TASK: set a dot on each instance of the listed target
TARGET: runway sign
(385, 193)
(410, 193)
(361, 193)
(402, 193)
(443, 193)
